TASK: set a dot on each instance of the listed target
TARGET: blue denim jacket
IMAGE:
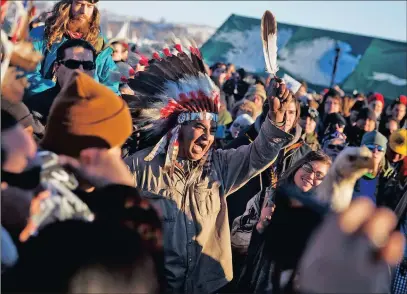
(9, 253)
(38, 84)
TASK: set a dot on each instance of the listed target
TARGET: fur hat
(86, 114)
(258, 90)
(246, 106)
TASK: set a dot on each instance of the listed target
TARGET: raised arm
(238, 166)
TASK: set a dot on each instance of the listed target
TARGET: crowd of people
(122, 173)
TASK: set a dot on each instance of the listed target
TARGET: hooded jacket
(40, 80)
(198, 257)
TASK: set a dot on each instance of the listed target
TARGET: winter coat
(194, 210)
(273, 255)
(295, 150)
(41, 79)
(243, 225)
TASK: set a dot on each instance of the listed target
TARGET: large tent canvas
(307, 54)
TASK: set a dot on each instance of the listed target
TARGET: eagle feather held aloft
(269, 39)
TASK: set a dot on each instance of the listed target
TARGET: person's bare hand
(100, 167)
(35, 209)
(126, 91)
(13, 85)
(25, 57)
(278, 95)
(265, 216)
(352, 252)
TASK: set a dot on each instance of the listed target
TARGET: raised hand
(352, 252)
(278, 95)
(100, 167)
(13, 85)
(265, 216)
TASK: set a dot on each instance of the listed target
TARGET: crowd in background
(67, 119)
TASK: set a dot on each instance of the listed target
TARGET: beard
(79, 24)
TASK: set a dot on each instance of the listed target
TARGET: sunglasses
(308, 169)
(75, 64)
(375, 147)
(336, 147)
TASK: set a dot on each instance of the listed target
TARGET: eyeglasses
(375, 147)
(75, 64)
(336, 147)
(308, 169)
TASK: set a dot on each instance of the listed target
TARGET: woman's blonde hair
(57, 24)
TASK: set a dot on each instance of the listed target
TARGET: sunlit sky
(384, 19)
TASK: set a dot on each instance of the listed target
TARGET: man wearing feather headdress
(175, 113)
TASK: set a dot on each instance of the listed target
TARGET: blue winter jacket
(38, 84)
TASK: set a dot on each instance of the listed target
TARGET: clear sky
(385, 19)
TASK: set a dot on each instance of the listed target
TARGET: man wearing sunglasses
(75, 54)
(370, 183)
(68, 20)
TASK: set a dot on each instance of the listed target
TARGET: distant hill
(148, 33)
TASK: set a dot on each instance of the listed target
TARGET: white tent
(123, 35)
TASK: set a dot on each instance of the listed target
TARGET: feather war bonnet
(173, 89)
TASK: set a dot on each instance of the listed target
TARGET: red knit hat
(376, 97)
(2, 2)
(402, 99)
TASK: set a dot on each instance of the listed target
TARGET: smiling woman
(283, 227)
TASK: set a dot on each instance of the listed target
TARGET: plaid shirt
(399, 282)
